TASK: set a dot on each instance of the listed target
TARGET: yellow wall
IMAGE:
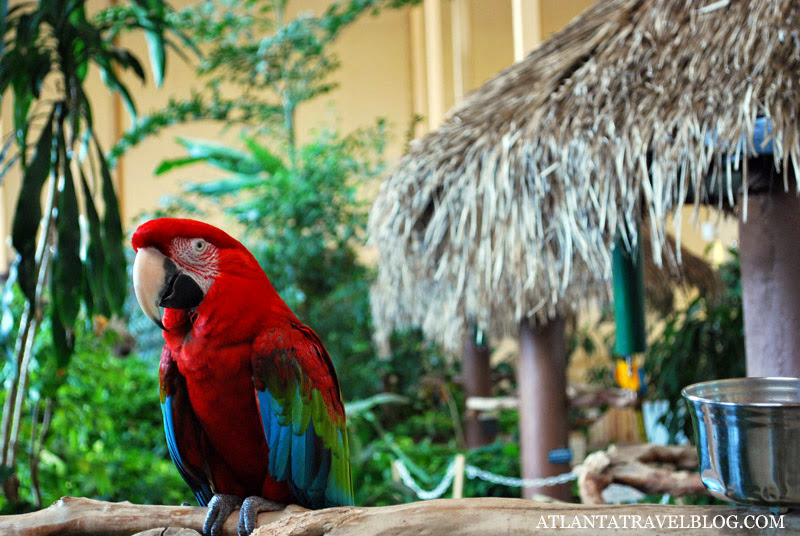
(492, 40)
(555, 14)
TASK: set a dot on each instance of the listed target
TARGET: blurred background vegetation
(89, 419)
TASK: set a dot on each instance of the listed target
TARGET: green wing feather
(303, 417)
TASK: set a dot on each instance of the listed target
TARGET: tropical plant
(46, 51)
(703, 341)
(303, 224)
(297, 205)
(258, 65)
(296, 202)
(103, 436)
(419, 423)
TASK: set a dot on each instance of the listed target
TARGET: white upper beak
(148, 281)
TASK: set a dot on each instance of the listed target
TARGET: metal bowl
(747, 432)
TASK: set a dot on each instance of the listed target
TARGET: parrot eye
(199, 245)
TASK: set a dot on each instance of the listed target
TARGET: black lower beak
(181, 290)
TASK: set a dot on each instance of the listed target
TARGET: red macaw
(251, 403)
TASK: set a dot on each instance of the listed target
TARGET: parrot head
(178, 261)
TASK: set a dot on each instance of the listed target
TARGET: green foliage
(257, 67)
(304, 224)
(53, 42)
(46, 50)
(298, 208)
(421, 429)
(299, 212)
(106, 438)
(296, 204)
(704, 341)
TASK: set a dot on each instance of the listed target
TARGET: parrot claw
(251, 507)
(219, 508)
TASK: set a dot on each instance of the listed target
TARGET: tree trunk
(476, 380)
(465, 517)
(770, 258)
(542, 388)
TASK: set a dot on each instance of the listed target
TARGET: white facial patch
(197, 258)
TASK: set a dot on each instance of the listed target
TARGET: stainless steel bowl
(747, 432)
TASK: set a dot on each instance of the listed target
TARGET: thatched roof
(509, 209)
(662, 282)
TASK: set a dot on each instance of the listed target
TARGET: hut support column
(770, 258)
(434, 53)
(542, 392)
(476, 379)
(526, 26)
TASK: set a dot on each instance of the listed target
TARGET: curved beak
(159, 282)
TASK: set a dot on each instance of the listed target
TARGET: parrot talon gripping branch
(251, 403)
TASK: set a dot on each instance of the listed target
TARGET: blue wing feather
(304, 456)
(317, 487)
(303, 421)
(201, 489)
(297, 458)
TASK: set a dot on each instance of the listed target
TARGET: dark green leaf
(129, 61)
(158, 54)
(95, 257)
(270, 163)
(110, 79)
(150, 17)
(7, 69)
(63, 339)
(115, 267)
(170, 164)
(29, 208)
(177, 49)
(22, 103)
(86, 109)
(220, 156)
(67, 268)
(228, 186)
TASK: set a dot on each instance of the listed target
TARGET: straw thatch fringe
(509, 209)
(662, 282)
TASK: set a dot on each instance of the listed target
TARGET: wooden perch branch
(85, 517)
(466, 517)
(652, 469)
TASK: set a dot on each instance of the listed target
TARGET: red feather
(218, 427)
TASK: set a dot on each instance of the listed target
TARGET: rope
(473, 472)
(436, 492)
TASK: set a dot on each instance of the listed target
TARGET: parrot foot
(219, 508)
(251, 507)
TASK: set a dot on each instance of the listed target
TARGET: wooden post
(477, 382)
(542, 389)
(770, 258)
(526, 26)
(434, 52)
(458, 478)
(419, 81)
(462, 48)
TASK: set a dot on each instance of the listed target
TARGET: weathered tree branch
(78, 516)
(466, 517)
(652, 469)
